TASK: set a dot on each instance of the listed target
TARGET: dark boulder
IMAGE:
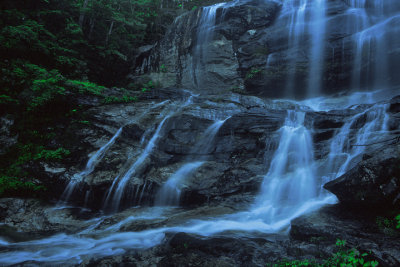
(373, 183)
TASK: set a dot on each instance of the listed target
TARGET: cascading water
(306, 22)
(369, 37)
(170, 192)
(346, 146)
(118, 187)
(91, 164)
(205, 34)
(293, 184)
(377, 36)
(291, 179)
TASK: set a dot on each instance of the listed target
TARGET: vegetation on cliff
(55, 52)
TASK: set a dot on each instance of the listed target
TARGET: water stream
(91, 164)
(170, 192)
(292, 184)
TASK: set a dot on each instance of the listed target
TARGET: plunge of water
(347, 146)
(170, 192)
(205, 34)
(306, 22)
(91, 164)
(119, 184)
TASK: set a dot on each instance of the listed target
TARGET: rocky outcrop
(358, 228)
(25, 219)
(214, 65)
(254, 48)
(373, 183)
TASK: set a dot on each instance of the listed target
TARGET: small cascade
(205, 34)
(376, 37)
(305, 22)
(350, 142)
(119, 184)
(317, 30)
(291, 179)
(170, 192)
(296, 36)
(91, 164)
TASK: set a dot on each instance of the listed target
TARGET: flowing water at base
(289, 189)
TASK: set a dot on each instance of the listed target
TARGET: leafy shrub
(123, 99)
(85, 87)
(252, 73)
(12, 185)
(342, 257)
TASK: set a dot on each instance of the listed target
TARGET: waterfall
(317, 30)
(371, 33)
(119, 184)
(347, 146)
(376, 37)
(305, 19)
(291, 178)
(90, 165)
(296, 36)
(205, 34)
(170, 192)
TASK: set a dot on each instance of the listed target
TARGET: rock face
(6, 138)
(373, 183)
(267, 48)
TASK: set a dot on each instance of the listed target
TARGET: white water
(170, 192)
(375, 29)
(305, 19)
(205, 34)
(347, 146)
(290, 189)
(91, 164)
(118, 187)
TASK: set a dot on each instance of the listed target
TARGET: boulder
(373, 183)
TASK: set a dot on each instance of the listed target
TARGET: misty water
(292, 183)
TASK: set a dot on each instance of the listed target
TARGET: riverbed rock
(358, 228)
(25, 219)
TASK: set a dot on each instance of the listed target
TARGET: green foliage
(252, 73)
(343, 257)
(46, 154)
(123, 99)
(148, 86)
(12, 185)
(5, 99)
(398, 221)
(85, 87)
(388, 225)
(163, 68)
(351, 257)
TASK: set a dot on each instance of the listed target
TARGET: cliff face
(275, 49)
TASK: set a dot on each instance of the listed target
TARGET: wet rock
(373, 183)
(356, 227)
(26, 219)
(7, 139)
